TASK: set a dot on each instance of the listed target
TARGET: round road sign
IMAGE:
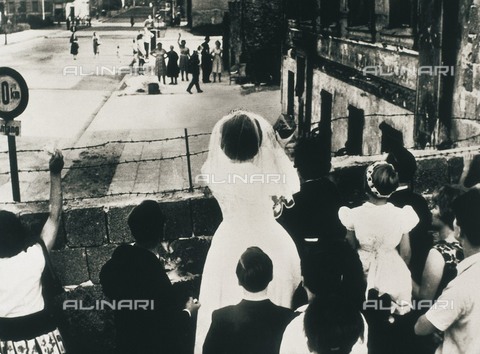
(13, 93)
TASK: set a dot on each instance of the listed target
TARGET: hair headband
(369, 175)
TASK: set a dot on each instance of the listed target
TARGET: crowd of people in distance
(172, 64)
(294, 267)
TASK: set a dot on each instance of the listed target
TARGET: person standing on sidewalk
(172, 66)
(184, 54)
(194, 69)
(217, 54)
(147, 37)
(160, 67)
(74, 45)
(96, 44)
(206, 61)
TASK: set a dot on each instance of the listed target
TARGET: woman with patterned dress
(26, 323)
(446, 253)
(184, 55)
(441, 265)
(160, 67)
(217, 62)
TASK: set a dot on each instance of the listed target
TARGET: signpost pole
(12, 154)
(13, 101)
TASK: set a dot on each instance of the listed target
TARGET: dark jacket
(134, 273)
(193, 64)
(250, 327)
(315, 213)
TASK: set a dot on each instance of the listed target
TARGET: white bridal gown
(248, 220)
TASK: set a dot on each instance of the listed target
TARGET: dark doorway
(356, 122)
(291, 93)
(325, 125)
(189, 13)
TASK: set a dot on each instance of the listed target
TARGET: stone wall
(466, 102)
(87, 238)
(90, 233)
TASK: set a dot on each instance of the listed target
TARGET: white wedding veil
(270, 172)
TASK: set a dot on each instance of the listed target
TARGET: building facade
(349, 65)
(207, 12)
(253, 35)
(23, 10)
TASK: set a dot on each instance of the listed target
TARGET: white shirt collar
(260, 296)
(468, 262)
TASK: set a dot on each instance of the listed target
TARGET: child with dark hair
(379, 231)
(329, 274)
(135, 272)
(26, 320)
(333, 327)
(255, 325)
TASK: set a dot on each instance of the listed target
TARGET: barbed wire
(110, 142)
(109, 195)
(73, 167)
(376, 115)
(446, 153)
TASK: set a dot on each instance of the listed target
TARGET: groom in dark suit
(255, 325)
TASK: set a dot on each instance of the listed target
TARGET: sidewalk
(165, 116)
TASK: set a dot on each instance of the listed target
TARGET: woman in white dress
(246, 170)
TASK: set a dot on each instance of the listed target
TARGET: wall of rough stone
(466, 102)
(344, 95)
(385, 61)
(256, 31)
(89, 234)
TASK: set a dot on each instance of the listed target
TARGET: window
(300, 87)
(360, 12)
(325, 125)
(329, 14)
(22, 8)
(291, 93)
(401, 13)
(35, 7)
(356, 122)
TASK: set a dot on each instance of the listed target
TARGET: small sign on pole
(10, 127)
(13, 101)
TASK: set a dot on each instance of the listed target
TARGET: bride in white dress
(245, 169)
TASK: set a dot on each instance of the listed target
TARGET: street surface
(84, 102)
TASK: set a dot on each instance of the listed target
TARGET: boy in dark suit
(255, 325)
